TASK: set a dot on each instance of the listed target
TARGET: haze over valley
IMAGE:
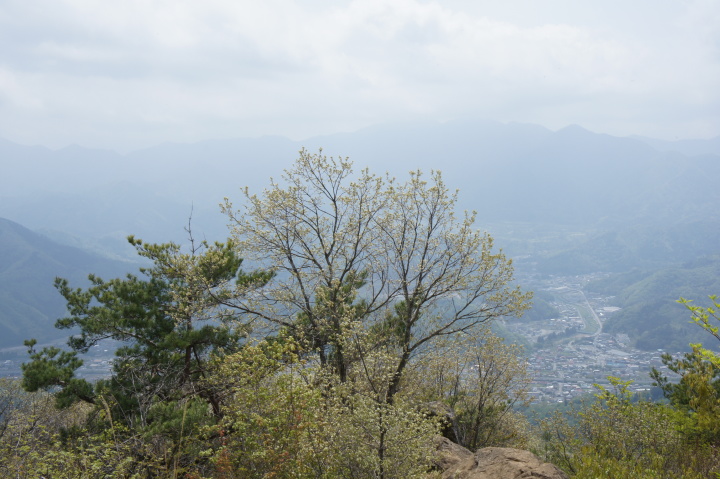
(360, 239)
(628, 224)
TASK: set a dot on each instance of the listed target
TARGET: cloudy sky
(133, 73)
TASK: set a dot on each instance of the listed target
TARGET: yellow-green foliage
(593, 465)
(697, 393)
(286, 418)
(616, 437)
(481, 378)
(371, 439)
(269, 411)
(365, 276)
(34, 440)
(703, 379)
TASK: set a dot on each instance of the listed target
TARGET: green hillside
(650, 313)
(647, 246)
(29, 263)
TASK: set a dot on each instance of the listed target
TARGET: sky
(134, 73)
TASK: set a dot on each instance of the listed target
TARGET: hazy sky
(132, 73)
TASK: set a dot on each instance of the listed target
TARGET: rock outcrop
(456, 462)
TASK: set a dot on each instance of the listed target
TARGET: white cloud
(144, 71)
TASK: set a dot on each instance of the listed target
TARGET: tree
(697, 393)
(482, 379)
(618, 437)
(169, 322)
(279, 423)
(615, 436)
(370, 275)
(354, 253)
(706, 318)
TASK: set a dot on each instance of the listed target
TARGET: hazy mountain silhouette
(573, 200)
(507, 172)
(29, 263)
(710, 147)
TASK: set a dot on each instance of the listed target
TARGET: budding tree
(365, 263)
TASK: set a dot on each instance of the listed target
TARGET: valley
(569, 353)
(566, 354)
(601, 228)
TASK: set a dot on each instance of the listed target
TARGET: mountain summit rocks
(456, 462)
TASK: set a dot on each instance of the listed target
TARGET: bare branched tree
(359, 253)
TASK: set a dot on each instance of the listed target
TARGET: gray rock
(456, 462)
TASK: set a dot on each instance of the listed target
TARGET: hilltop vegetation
(355, 332)
(369, 305)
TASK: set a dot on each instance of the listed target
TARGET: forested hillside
(644, 245)
(29, 263)
(650, 312)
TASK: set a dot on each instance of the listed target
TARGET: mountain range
(562, 202)
(506, 172)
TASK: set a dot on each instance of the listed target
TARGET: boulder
(456, 462)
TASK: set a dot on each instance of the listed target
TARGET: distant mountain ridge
(507, 172)
(709, 147)
(568, 201)
(29, 263)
